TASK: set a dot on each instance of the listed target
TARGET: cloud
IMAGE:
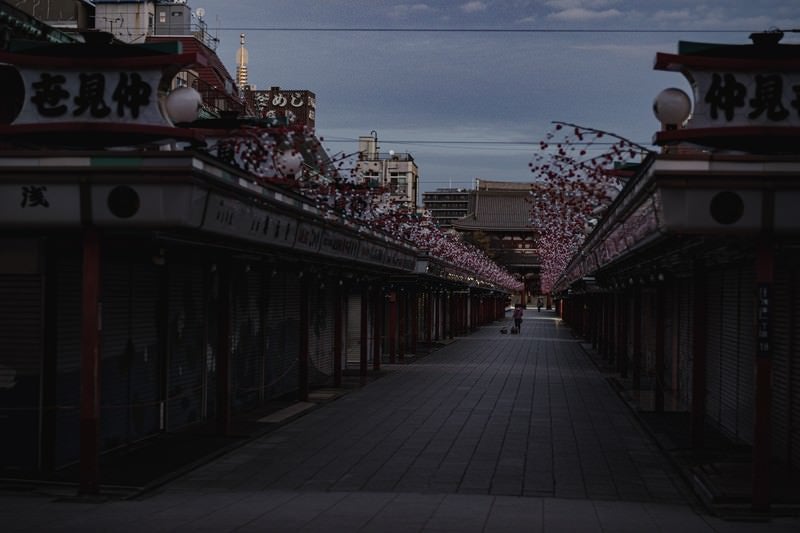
(564, 5)
(704, 17)
(579, 14)
(474, 7)
(402, 11)
(672, 16)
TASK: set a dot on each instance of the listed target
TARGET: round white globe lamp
(672, 107)
(183, 105)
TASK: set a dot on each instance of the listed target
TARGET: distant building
(447, 205)
(499, 222)
(393, 170)
(53, 22)
(128, 21)
(290, 107)
(133, 21)
(65, 15)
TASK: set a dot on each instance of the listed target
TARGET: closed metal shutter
(630, 335)
(784, 320)
(185, 344)
(648, 339)
(747, 352)
(729, 351)
(320, 338)
(794, 377)
(292, 324)
(146, 361)
(130, 359)
(789, 329)
(714, 316)
(422, 298)
(670, 317)
(732, 347)
(685, 355)
(283, 333)
(353, 338)
(438, 305)
(211, 298)
(68, 365)
(247, 340)
(21, 353)
(116, 350)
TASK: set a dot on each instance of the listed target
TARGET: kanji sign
(61, 95)
(756, 98)
(37, 204)
(293, 107)
(34, 196)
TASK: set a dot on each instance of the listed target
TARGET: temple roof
(499, 206)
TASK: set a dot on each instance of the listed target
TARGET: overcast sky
(424, 92)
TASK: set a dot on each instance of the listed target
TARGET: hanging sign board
(90, 98)
(746, 97)
(90, 95)
(725, 98)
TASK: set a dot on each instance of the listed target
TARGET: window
(162, 17)
(181, 80)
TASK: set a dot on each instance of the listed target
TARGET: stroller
(505, 330)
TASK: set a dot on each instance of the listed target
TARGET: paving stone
(440, 445)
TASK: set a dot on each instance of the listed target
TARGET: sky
(474, 104)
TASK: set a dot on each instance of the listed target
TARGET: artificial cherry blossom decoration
(293, 158)
(577, 173)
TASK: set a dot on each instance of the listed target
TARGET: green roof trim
(742, 51)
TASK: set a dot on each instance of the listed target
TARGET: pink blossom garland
(270, 155)
(574, 183)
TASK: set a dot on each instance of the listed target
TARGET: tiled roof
(486, 185)
(498, 210)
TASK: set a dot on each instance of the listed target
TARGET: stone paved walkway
(511, 415)
(493, 432)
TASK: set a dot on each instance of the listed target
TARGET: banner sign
(87, 95)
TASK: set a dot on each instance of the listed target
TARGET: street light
(672, 108)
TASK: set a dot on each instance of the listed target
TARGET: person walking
(518, 312)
